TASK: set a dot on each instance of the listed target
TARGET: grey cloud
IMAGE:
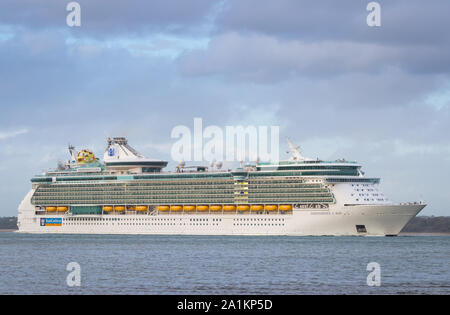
(262, 58)
(403, 21)
(109, 18)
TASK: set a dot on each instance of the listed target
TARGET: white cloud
(405, 149)
(12, 134)
(155, 45)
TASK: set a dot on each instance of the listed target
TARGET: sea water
(204, 265)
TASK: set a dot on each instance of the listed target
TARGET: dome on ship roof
(85, 157)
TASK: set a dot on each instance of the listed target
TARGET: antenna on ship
(295, 151)
(72, 153)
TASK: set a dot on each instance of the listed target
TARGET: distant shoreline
(422, 234)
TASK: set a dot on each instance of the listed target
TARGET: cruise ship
(128, 193)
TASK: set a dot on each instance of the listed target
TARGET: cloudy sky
(337, 87)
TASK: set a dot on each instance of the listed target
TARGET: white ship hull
(339, 220)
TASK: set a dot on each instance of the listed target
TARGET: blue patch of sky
(156, 45)
(439, 99)
(6, 32)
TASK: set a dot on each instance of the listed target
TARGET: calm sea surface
(36, 264)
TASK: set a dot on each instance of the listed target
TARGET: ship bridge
(315, 167)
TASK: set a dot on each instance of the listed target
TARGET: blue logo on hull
(51, 221)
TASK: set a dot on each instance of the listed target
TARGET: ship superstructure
(130, 194)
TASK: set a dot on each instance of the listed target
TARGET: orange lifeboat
(215, 208)
(50, 209)
(202, 208)
(285, 207)
(243, 208)
(229, 208)
(271, 207)
(176, 208)
(62, 209)
(257, 207)
(163, 208)
(119, 208)
(107, 208)
(189, 208)
(141, 208)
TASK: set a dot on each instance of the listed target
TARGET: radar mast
(296, 152)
